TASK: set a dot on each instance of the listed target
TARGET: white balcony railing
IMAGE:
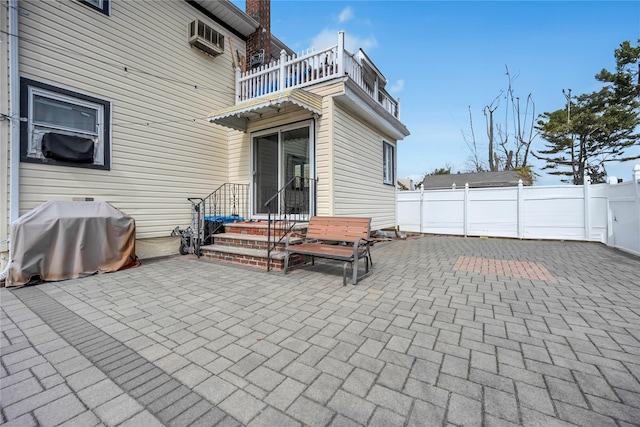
(309, 68)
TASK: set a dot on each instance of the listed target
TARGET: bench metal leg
(367, 270)
(355, 270)
(344, 274)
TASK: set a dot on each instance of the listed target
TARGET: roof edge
(244, 25)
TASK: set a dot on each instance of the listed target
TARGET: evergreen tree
(597, 127)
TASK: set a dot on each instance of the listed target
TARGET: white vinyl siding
(358, 188)
(324, 159)
(163, 149)
(325, 149)
(239, 155)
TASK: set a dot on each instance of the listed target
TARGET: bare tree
(523, 130)
(488, 117)
(509, 142)
(477, 165)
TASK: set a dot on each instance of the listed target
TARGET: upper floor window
(388, 163)
(99, 5)
(63, 127)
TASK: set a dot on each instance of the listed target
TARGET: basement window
(62, 127)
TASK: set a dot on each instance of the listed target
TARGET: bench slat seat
(322, 235)
(327, 251)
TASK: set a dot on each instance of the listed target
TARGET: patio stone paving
(446, 331)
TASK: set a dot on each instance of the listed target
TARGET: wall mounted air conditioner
(205, 38)
(257, 59)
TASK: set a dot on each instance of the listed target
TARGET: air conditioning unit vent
(257, 59)
(205, 38)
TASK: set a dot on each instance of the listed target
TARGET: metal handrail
(228, 203)
(293, 206)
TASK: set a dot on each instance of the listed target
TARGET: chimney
(259, 43)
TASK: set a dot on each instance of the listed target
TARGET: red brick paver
(503, 267)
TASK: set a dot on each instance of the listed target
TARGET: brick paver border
(166, 398)
(503, 267)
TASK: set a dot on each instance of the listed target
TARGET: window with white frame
(99, 5)
(62, 127)
(388, 163)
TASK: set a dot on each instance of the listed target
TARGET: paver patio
(446, 331)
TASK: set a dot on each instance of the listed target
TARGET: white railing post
(398, 108)
(421, 208)
(611, 241)
(466, 208)
(238, 95)
(341, 53)
(375, 90)
(282, 79)
(520, 209)
(587, 214)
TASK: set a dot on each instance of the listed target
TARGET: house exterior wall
(325, 150)
(348, 160)
(162, 148)
(240, 146)
(324, 159)
(358, 188)
(239, 155)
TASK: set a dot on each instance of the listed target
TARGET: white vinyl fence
(607, 213)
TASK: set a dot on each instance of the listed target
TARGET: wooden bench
(340, 238)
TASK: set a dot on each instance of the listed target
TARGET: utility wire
(71, 125)
(162, 122)
(127, 70)
(119, 66)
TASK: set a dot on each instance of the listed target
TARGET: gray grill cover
(65, 240)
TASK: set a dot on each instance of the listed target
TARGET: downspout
(14, 113)
(14, 124)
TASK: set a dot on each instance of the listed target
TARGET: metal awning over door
(238, 116)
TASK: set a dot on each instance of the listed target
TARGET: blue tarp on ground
(225, 219)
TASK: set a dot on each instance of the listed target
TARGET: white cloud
(396, 87)
(345, 15)
(324, 39)
(353, 42)
(329, 37)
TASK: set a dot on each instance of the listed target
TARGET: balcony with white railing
(313, 67)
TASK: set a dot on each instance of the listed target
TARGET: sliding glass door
(266, 182)
(282, 156)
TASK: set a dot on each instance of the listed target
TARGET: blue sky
(440, 58)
